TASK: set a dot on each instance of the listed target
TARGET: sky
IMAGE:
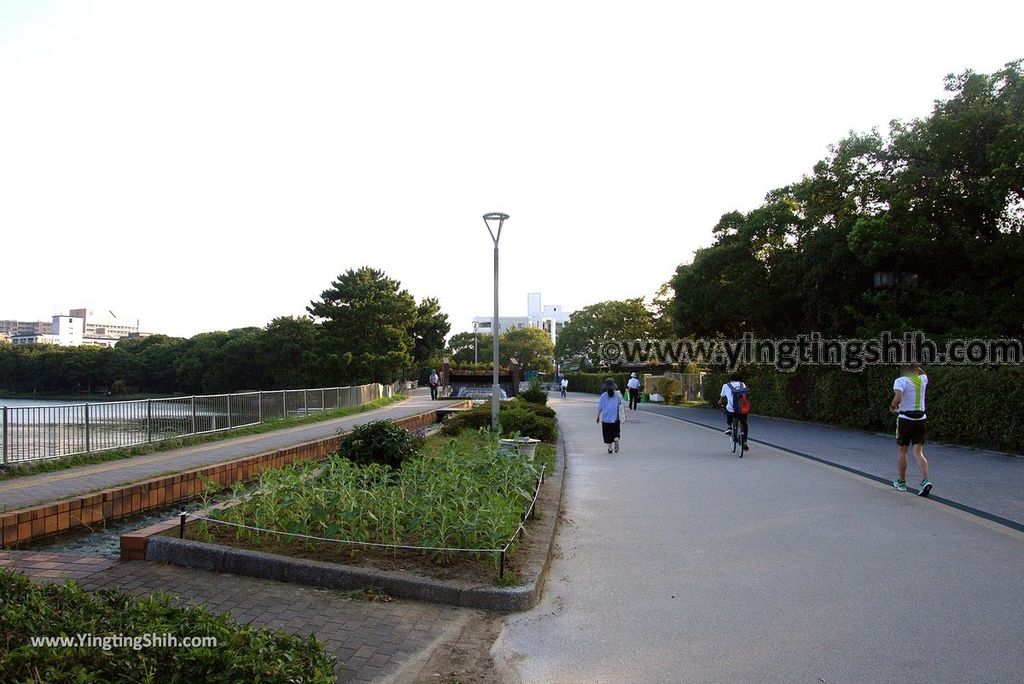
(210, 165)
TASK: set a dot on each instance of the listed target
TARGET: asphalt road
(679, 562)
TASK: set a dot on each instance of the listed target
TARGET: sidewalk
(985, 481)
(681, 563)
(25, 491)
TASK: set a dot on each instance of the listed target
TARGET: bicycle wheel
(735, 438)
(741, 441)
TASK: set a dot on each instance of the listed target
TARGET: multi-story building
(103, 324)
(550, 318)
(12, 328)
(66, 331)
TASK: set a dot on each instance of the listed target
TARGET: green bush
(594, 382)
(524, 418)
(535, 394)
(973, 406)
(242, 654)
(380, 441)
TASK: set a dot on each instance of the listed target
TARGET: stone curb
(264, 565)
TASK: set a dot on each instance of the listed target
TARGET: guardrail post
(229, 411)
(323, 403)
(86, 427)
(284, 403)
(259, 406)
(6, 433)
(193, 398)
(305, 402)
(149, 420)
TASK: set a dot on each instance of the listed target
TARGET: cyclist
(564, 385)
(732, 412)
(911, 424)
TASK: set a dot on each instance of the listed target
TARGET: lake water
(19, 403)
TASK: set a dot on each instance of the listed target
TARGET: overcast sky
(210, 165)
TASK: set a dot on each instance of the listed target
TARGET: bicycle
(737, 435)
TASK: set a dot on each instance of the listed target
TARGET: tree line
(363, 328)
(917, 228)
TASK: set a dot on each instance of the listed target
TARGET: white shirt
(727, 393)
(433, 378)
(914, 388)
(634, 383)
(565, 383)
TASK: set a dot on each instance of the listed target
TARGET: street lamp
(489, 220)
(476, 343)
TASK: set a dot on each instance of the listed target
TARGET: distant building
(550, 318)
(65, 331)
(12, 328)
(103, 325)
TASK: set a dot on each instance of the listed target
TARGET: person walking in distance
(433, 381)
(734, 397)
(911, 424)
(608, 415)
(633, 385)
(564, 385)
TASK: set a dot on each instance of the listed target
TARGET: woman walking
(608, 415)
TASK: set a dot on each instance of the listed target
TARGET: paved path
(681, 563)
(34, 489)
(372, 640)
(981, 480)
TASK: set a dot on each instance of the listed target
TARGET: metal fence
(32, 433)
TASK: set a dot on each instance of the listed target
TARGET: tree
(531, 347)
(579, 345)
(464, 348)
(288, 350)
(428, 332)
(366, 319)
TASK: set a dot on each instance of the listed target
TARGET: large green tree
(531, 347)
(579, 345)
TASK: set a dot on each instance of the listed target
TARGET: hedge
(976, 406)
(242, 654)
(514, 417)
(594, 382)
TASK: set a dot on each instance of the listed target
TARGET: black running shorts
(910, 431)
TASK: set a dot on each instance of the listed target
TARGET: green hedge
(970, 406)
(524, 418)
(594, 382)
(242, 654)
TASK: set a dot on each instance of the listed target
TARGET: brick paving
(370, 639)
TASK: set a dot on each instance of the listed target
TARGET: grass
(51, 465)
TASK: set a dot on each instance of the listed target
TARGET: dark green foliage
(535, 394)
(514, 417)
(971, 406)
(594, 382)
(380, 441)
(243, 653)
(938, 197)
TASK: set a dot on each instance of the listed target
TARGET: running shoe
(616, 445)
(926, 487)
(727, 431)
(901, 485)
(746, 447)
(609, 450)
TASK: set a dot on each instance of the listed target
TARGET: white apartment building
(550, 318)
(66, 331)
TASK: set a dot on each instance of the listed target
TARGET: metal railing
(31, 433)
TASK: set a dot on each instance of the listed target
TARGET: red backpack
(740, 398)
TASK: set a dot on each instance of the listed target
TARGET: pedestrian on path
(433, 382)
(608, 415)
(911, 424)
(633, 385)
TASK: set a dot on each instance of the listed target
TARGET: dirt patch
(464, 657)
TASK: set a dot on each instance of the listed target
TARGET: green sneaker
(901, 485)
(926, 488)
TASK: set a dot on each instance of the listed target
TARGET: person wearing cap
(433, 381)
(633, 385)
(608, 415)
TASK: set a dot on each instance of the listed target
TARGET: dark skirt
(610, 431)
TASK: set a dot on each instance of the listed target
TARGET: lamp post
(476, 343)
(499, 219)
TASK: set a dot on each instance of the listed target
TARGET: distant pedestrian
(608, 415)
(564, 385)
(433, 381)
(911, 424)
(633, 385)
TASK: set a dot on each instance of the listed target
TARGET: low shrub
(514, 417)
(593, 383)
(535, 394)
(380, 441)
(242, 654)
